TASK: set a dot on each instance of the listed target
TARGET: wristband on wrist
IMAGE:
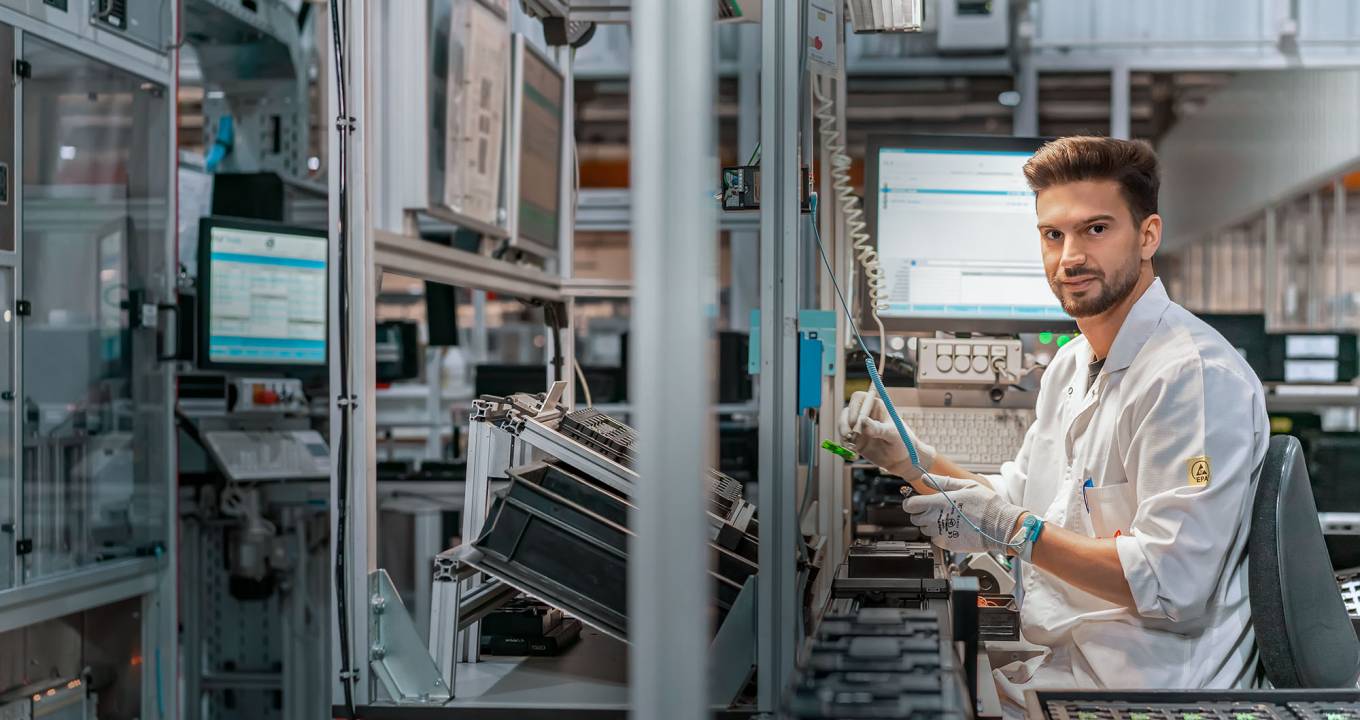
(1030, 529)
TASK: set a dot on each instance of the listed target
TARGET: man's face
(1091, 247)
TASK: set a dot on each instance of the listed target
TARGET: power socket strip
(973, 361)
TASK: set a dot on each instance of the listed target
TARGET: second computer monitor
(955, 227)
(262, 294)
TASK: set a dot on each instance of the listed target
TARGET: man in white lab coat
(1131, 495)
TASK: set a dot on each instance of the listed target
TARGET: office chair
(1305, 638)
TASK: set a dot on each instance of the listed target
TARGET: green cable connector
(833, 448)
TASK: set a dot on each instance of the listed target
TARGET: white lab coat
(1172, 390)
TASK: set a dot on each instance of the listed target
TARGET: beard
(1104, 293)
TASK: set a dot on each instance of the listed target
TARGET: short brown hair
(1131, 163)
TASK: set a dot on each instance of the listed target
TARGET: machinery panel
(145, 23)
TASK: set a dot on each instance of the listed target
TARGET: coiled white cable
(833, 140)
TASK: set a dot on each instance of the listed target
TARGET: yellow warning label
(1198, 470)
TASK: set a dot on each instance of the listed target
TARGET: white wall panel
(1101, 21)
(1262, 138)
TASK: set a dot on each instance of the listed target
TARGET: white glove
(865, 425)
(944, 523)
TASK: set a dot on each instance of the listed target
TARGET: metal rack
(666, 666)
(461, 598)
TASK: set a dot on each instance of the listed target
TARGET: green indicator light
(835, 449)
(1064, 339)
(1139, 716)
(1087, 716)
(1045, 338)
(1192, 716)
(1245, 716)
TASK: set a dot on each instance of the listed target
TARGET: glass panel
(95, 401)
(6, 425)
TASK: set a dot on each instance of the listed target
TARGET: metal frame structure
(373, 249)
(669, 666)
(151, 579)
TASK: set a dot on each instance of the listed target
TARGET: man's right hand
(866, 425)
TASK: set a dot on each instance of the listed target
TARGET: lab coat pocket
(1112, 508)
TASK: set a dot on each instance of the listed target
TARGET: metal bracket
(23, 308)
(23, 547)
(23, 68)
(732, 655)
(397, 655)
(549, 406)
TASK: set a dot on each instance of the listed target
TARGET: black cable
(343, 127)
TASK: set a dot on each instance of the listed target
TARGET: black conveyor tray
(570, 553)
(602, 501)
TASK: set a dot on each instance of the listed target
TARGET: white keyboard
(978, 439)
(282, 455)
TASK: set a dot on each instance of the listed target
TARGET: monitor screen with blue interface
(956, 232)
(266, 289)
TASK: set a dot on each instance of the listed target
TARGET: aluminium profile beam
(417, 258)
(675, 232)
(780, 220)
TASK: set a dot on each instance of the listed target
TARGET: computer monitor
(262, 294)
(540, 109)
(954, 224)
(396, 351)
(1313, 357)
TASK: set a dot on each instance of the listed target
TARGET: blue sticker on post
(809, 373)
(821, 324)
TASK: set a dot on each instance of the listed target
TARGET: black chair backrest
(1304, 635)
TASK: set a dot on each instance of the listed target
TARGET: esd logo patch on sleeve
(1198, 470)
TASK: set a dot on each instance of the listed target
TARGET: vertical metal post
(843, 260)
(566, 227)
(476, 503)
(1025, 118)
(428, 531)
(744, 245)
(779, 221)
(1338, 317)
(674, 230)
(1120, 120)
(831, 468)
(1314, 240)
(359, 536)
(191, 602)
(1270, 305)
(434, 402)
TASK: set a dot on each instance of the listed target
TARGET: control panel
(968, 361)
(270, 395)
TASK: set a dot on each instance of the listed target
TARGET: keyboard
(270, 455)
(978, 439)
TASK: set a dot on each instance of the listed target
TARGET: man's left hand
(946, 525)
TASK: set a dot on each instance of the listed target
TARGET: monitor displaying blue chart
(263, 288)
(956, 232)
